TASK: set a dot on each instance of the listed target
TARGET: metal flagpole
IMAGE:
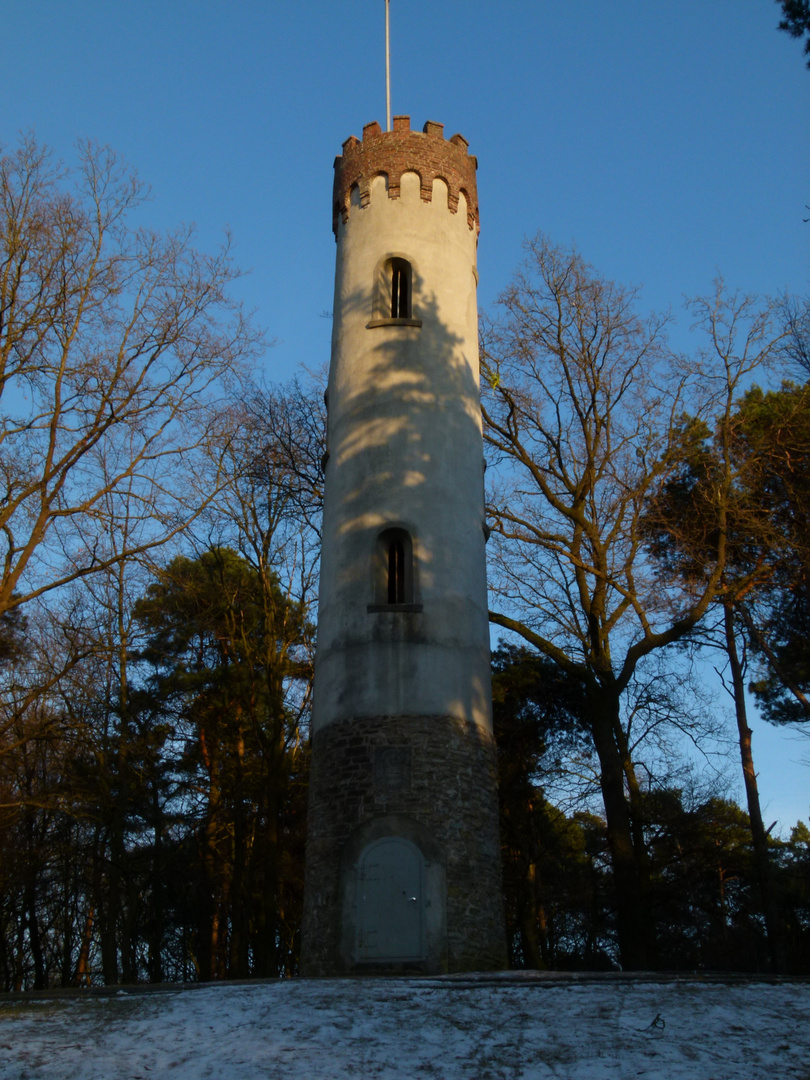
(387, 68)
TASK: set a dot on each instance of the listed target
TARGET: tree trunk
(633, 919)
(238, 943)
(82, 974)
(266, 938)
(34, 937)
(762, 861)
(216, 865)
(532, 921)
(123, 889)
(108, 930)
(156, 914)
(30, 917)
(69, 910)
(639, 843)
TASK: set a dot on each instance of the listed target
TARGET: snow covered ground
(446, 1029)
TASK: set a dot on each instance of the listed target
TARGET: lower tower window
(394, 572)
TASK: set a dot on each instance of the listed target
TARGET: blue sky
(668, 140)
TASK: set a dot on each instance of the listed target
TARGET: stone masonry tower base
(420, 778)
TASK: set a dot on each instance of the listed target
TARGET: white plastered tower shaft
(405, 450)
(402, 706)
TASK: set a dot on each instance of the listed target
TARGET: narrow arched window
(396, 572)
(396, 291)
(400, 289)
(393, 570)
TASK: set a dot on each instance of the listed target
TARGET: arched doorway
(391, 901)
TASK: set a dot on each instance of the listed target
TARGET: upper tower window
(395, 287)
(400, 273)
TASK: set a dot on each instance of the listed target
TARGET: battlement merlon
(392, 153)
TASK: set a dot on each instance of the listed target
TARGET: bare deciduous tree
(114, 341)
(581, 403)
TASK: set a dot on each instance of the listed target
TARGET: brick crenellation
(392, 153)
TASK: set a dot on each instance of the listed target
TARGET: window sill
(392, 322)
(373, 608)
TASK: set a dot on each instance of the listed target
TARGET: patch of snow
(393, 1028)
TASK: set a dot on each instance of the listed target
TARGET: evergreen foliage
(796, 20)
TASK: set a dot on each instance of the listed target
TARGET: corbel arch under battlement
(463, 206)
(410, 186)
(440, 192)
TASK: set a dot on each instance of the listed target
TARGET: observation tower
(403, 853)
